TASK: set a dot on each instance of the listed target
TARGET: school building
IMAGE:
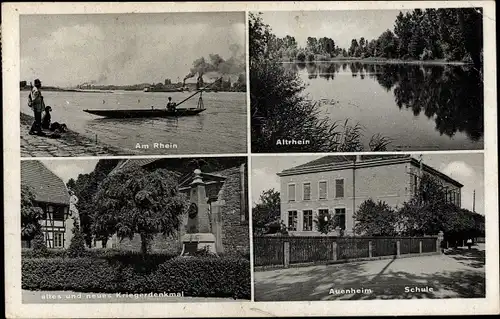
(339, 184)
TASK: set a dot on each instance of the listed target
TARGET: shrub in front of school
(195, 276)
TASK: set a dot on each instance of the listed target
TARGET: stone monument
(199, 233)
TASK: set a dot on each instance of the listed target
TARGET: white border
(10, 59)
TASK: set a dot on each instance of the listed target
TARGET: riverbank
(383, 61)
(70, 144)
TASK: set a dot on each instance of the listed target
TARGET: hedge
(195, 276)
(120, 254)
(98, 253)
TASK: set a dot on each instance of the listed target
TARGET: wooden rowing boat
(138, 113)
(120, 114)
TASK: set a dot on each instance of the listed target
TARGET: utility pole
(474, 201)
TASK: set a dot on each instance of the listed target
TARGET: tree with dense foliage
(429, 212)
(375, 219)
(31, 215)
(452, 34)
(266, 213)
(85, 187)
(136, 201)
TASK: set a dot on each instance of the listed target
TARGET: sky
(66, 50)
(70, 168)
(467, 169)
(341, 26)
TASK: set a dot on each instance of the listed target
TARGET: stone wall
(235, 231)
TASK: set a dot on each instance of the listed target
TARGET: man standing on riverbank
(35, 101)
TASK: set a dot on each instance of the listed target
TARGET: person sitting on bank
(170, 105)
(35, 102)
(46, 119)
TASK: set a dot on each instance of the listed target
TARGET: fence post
(286, 253)
(420, 246)
(398, 247)
(370, 248)
(334, 250)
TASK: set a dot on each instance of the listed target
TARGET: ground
(69, 144)
(77, 297)
(459, 273)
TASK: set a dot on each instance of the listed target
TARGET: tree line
(451, 34)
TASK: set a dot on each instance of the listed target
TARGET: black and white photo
(125, 84)
(362, 227)
(361, 80)
(135, 230)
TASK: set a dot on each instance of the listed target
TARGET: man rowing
(171, 105)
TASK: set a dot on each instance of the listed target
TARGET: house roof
(47, 187)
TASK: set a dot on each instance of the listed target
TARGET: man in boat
(35, 102)
(170, 105)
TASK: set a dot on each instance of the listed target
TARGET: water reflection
(451, 96)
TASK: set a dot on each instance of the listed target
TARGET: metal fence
(284, 250)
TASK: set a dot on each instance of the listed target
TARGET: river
(222, 128)
(419, 107)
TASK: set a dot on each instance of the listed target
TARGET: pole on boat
(199, 91)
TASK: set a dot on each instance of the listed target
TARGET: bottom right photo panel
(360, 227)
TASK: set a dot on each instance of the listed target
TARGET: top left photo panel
(132, 84)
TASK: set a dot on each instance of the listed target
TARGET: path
(69, 144)
(81, 297)
(458, 274)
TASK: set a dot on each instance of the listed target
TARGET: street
(457, 274)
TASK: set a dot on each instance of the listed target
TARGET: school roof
(336, 162)
(46, 186)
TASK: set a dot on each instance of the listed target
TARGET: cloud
(458, 170)
(263, 179)
(123, 49)
(66, 169)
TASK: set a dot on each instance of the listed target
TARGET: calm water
(419, 107)
(219, 129)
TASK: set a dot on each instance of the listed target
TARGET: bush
(77, 245)
(104, 253)
(39, 246)
(207, 277)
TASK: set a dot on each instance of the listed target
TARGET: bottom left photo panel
(135, 230)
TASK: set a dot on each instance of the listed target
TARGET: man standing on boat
(35, 101)
(170, 105)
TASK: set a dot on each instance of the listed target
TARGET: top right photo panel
(366, 80)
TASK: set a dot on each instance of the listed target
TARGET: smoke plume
(235, 65)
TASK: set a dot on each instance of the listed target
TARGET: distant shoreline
(112, 91)
(384, 61)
